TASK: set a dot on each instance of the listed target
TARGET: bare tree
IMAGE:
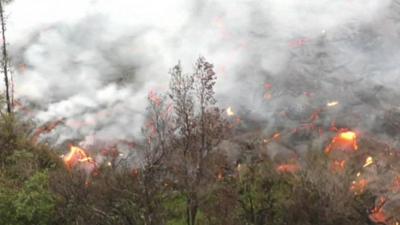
(157, 132)
(198, 129)
(5, 56)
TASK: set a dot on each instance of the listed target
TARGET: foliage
(184, 177)
(35, 204)
(32, 204)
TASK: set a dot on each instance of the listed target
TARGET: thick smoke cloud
(93, 62)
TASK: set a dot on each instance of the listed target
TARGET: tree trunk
(5, 57)
(191, 210)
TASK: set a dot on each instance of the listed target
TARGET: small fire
(369, 161)
(331, 104)
(46, 128)
(275, 137)
(229, 111)
(288, 168)
(345, 140)
(358, 187)
(377, 214)
(77, 156)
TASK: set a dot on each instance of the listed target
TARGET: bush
(35, 204)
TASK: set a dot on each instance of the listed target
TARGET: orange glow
(275, 137)
(348, 135)
(77, 156)
(344, 141)
(358, 187)
(46, 128)
(377, 214)
(338, 165)
(288, 168)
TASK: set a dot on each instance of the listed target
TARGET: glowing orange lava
(287, 168)
(77, 156)
(344, 141)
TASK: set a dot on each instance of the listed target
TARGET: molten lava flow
(288, 168)
(344, 141)
(369, 161)
(77, 156)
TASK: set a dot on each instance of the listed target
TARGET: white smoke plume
(93, 62)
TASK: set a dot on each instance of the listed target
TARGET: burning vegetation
(198, 164)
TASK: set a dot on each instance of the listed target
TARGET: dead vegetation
(196, 168)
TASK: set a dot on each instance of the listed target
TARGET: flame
(377, 214)
(358, 187)
(345, 140)
(369, 161)
(229, 111)
(77, 156)
(288, 168)
(276, 137)
(46, 128)
(331, 104)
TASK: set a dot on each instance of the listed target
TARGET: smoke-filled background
(93, 62)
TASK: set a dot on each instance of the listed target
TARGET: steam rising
(93, 62)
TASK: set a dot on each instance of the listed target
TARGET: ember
(358, 187)
(377, 215)
(369, 161)
(288, 168)
(331, 104)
